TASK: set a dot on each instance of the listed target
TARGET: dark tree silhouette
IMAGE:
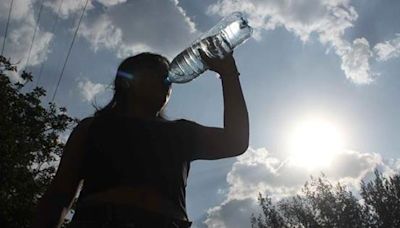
(382, 198)
(272, 217)
(29, 146)
(322, 204)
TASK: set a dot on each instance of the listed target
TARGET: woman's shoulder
(183, 121)
(84, 124)
(179, 122)
(86, 121)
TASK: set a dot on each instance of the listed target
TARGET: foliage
(272, 217)
(382, 198)
(322, 204)
(29, 146)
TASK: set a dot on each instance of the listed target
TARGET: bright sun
(314, 142)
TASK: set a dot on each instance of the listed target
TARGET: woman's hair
(130, 65)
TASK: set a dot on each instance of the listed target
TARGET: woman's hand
(224, 67)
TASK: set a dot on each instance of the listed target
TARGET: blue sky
(307, 60)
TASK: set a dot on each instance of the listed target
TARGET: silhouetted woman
(129, 162)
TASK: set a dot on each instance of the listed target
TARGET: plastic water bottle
(225, 35)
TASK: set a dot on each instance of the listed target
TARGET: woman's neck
(136, 113)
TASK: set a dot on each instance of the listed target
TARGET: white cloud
(20, 10)
(19, 41)
(257, 170)
(327, 18)
(137, 26)
(89, 89)
(355, 61)
(191, 24)
(130, 27)
(111, 2)
(68, 7)
(20, 32)
(389, 49)
(102, 33)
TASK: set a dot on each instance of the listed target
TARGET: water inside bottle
(185, 65)
(236, 33)
(225, 35)
(189, 64)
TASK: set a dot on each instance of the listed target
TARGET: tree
(272, 217)
(29, 146)
(323, 204)
(382, 198)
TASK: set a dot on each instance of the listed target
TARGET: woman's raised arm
(233, 139)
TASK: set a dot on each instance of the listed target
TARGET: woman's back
(130, 159)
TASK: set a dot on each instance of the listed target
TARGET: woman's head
(140, 83)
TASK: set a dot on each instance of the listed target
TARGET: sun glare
(314, 142)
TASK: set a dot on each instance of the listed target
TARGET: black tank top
(126, 151)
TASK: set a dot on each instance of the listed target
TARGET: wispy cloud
(89, 89)
(388, 49)
(68, 8)
(111, 2)
(128, 28)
